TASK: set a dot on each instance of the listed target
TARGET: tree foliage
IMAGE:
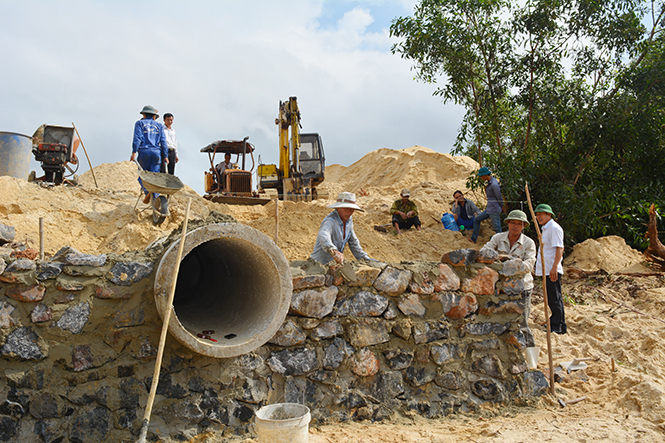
(567, 95)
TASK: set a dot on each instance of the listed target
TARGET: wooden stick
(41, 238)
(546, 306)
(576, 400)
(276, 220)
(612, 361)
(86, 154)
(165, 328)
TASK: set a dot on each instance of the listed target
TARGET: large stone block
(362, 304)
(483, 283)
(447, 280)
(393, 281)
(460, 257)
(367, 332)
(314, 303)
(364, 363)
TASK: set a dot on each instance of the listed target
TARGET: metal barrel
(15, 153)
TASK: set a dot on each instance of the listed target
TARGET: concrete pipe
(233, 289)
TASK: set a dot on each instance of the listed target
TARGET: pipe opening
(232, 293)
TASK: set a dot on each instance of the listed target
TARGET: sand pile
(608, 317)
(611, 254)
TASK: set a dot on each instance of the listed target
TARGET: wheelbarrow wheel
(159, 209)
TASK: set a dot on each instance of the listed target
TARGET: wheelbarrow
(159, 183)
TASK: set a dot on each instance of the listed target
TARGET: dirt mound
(611, 254)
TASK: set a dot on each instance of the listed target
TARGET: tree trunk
(656, 250)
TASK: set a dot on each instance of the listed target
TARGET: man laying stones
(337, 230)
(404, 212)
(518, 252)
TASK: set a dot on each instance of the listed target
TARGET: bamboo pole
(276, 220)
(41, 238)
(546, 306)
(86, 154)
(165, 328)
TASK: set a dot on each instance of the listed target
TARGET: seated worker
(405, 212)
(221, 167)
(464, 210)
(336, 231)
(515, 245)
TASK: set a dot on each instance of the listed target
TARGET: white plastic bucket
(532, 357)
(283, 423)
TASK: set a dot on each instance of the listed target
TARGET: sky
(221, 68)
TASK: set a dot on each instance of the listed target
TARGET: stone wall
(78, 338)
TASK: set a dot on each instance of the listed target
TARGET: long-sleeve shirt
(494, 197)
(552, 239)
(470, 208)
(171, 140)
(149, 134)
(331, 236)
(524, 249)
(400, 206)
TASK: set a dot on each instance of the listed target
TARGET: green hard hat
(147, 109)
(544, 208)
(518, 215)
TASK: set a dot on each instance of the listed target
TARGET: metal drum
(15, 154)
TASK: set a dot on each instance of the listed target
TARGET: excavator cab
(312, 159)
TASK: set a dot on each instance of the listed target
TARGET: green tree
(564, 94)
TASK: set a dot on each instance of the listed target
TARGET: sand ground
(614, 315)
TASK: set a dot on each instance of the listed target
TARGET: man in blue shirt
(336, 231)
(494, 204)
(149, 144)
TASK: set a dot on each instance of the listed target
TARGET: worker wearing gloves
(336, 232)
(149, 144)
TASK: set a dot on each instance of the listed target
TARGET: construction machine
(233, 185)
(301, 159)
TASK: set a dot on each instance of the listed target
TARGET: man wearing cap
(336, 231)
(521, 250)
(404, 212)
(149, 144)
(552, 245)
(494, 204)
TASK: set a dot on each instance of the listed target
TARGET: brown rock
(28, 253)
(448, 280)
(26, 293)
(483, 283)
(364, 363)
(423, 287)
(309, 281)
(365, 276)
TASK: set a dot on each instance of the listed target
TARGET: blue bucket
(15, 154)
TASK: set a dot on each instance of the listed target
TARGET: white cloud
(221, 67)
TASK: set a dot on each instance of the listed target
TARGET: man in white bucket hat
(337, 230)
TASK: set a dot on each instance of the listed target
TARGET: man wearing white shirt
(552, 245)
(171, 142)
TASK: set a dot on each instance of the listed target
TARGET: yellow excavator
(301, 159)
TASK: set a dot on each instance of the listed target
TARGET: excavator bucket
(298, 189)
